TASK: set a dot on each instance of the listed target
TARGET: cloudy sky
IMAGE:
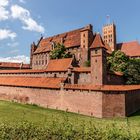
(23, 21)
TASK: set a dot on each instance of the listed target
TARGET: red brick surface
(95, 103)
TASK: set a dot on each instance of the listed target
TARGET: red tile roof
(14, 65)
(21, 71)
(103, 88)
(56, 65)
(98, 42)
(116, 73)
(82, 69)
(40, 82)
(59, 64)
(130, 48)
(70, 39)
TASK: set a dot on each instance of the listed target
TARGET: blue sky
(23, 21)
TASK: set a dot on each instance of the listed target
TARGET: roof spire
(108, 19)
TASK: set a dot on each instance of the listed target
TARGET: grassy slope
(14, 112)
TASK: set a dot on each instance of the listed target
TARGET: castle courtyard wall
(92, 103)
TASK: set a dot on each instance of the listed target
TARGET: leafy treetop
(59, 52)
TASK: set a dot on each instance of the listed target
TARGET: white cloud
(4, 14)
(5, 34)
(4, 2)
(24, 16)
(17, 59)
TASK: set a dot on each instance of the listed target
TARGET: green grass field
(14, 113)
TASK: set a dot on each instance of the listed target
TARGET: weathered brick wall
(132, 100)
(42, 74)
(82, 78)
(113, 79)
(92, 103)
(120, 103)
(73, 101)
(113, 104)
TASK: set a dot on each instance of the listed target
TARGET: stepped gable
(130, 48)
(69, 39)
(59, 65)
(34, 82)
(14, 65)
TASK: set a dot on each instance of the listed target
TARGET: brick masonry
(93, 103)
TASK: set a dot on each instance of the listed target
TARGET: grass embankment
(19, 121)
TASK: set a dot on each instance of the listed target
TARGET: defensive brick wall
(93, 103)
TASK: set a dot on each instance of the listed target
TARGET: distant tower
(109, 34)
(98, 61)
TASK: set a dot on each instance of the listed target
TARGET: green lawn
(15, 112)
(63, 122)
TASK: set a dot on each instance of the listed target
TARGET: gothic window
(42, 62)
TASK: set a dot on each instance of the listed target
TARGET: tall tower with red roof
(98, 61)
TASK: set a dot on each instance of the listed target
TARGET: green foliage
(59, 52)
(28, 122)
(117, 61)
(132, 72)
(87, 63)
(66, 131)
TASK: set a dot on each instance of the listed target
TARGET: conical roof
(98, 42)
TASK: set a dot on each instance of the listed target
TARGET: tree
(59, 52)
(117, 61)
(132, 72)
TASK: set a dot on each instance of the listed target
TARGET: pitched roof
(69, 39)
(21, 71)
(59, 64)
(103, 88)
(98, 42)
(82, 69)
(14, 65)
(130, 48)
(38, 82)
(56, 65)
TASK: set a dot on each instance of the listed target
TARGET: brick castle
(66, 84)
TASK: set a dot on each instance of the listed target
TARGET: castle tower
(33, 49)
(98, 61)
(109, 35)
(86, 40)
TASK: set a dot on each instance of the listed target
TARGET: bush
(65, 130)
